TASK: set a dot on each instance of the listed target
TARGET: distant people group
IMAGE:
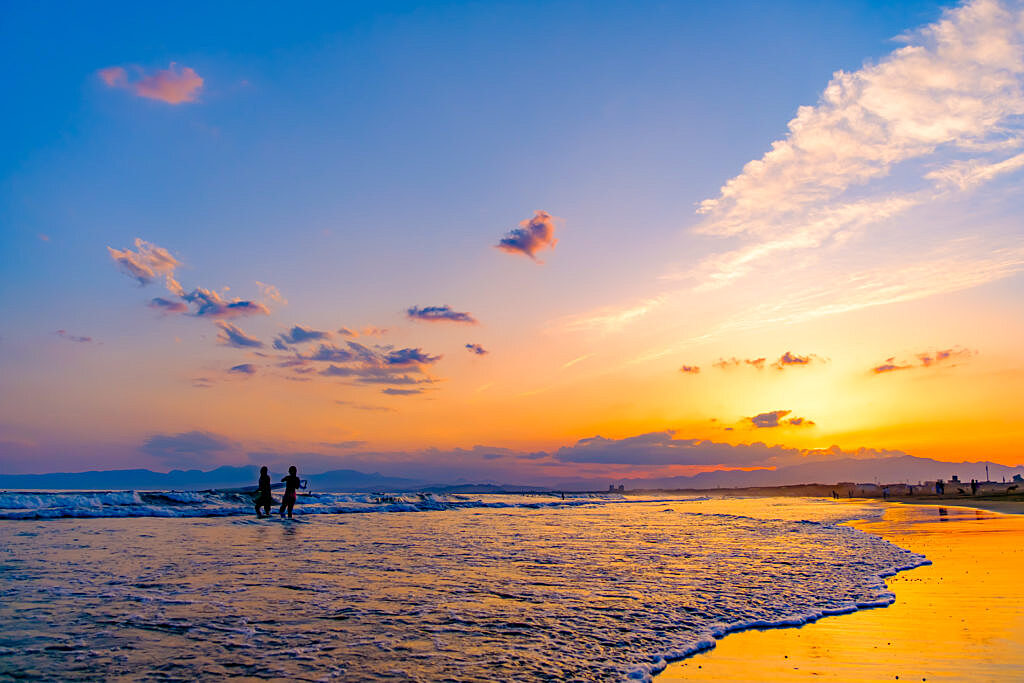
(264, 500)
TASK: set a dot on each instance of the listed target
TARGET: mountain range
(904, 468)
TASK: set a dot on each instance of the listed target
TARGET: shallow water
(597, 590)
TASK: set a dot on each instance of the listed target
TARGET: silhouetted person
(291, 485)
(974, 486)
(264, 499)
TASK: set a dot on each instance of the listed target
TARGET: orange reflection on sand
(959, 619)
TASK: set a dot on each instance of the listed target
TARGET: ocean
(168, 586)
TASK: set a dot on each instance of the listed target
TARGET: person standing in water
(291, 485)
(263, 498)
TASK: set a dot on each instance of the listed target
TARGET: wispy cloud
(690, 369)
(244, 369)
(230, 335)
(477, 349)
(439, 314)
(953, 92)
(612, 318)
(728, 363)
(391, 391)
(173, 85)
(63, 334)
(927, 359)
(531, 236)
(577, 359)
(145, 263)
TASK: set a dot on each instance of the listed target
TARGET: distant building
(955, 479)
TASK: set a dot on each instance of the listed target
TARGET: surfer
(263, 498)
(291, 484)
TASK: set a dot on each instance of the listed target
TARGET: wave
(220, 503)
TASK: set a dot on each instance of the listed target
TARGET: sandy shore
(959, 619)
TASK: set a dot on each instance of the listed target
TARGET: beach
(957, 619)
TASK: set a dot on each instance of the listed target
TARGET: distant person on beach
(291, 485)
(264, 499)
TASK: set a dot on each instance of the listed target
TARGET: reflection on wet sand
(958, 619)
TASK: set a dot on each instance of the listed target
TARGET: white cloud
(955, 91)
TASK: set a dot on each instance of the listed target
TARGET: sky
(511, 241)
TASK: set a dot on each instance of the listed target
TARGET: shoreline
(952, 620)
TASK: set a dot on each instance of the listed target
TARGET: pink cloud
(690, 369)
(173, 85)
(531, 236)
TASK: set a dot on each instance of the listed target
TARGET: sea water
(186, 586)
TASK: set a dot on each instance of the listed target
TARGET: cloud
(726, 364)
(230, 335)
(271, 293)
(209, 304)
(690, 369)
(662, 448)
(145, 263)
(344, 444)
(299, 335)
(613, 318)
(244, 369)
(187, 449)
(368, 331)
(774, 419)
(789, 359)
(365, 406)
(401, 392)
(477, 349)
(173, 85)
(944, 110)
(890, 365)
(63, 334)
(925, 359)
(368, 365)
(166, 305)
(439, 314)
(531, 236)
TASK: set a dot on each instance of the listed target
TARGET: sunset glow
(579, 245)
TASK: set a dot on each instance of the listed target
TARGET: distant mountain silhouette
(896, 469)
(222, 477)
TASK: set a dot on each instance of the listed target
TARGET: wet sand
(959, 619)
